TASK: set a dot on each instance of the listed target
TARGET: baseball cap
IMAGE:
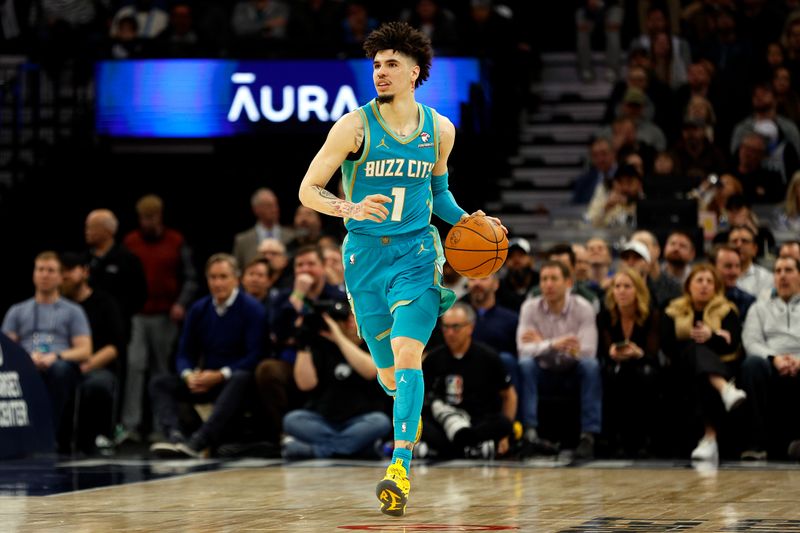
(638, 248)
(634, 96)
(519, 243)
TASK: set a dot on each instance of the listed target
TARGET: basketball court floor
(270, 495)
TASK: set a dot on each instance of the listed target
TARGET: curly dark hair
(401, 37)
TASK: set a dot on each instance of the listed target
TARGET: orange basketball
(476, 247)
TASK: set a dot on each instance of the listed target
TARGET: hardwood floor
(310, 497)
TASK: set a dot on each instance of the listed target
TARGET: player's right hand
(372, 208)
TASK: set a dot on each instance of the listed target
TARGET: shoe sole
(393, 501)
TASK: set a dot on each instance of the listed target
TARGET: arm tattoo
(338, 207)
(325, 193)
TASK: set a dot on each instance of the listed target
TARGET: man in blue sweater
(219, 347)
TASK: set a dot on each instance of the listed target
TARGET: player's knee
(407, 352)
(386, 377)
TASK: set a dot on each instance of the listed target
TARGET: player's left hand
(480, 213)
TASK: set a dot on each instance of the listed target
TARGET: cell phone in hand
(621, 344)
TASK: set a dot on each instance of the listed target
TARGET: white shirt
(756, 280)
(222, 309)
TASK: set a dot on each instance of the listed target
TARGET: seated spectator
(714, 194)
(669, 68)
(582, 265)
(790, 249)
(256, 281)
(180, 39)
(657, 22)
(274, 377)
(557, 340)
(307, 228)
(344, 415)
(357, 24)
(786, 97)
(728, 262)
(599, 265)
(646, 131)
(662, 288)
(472, 403)
(755, 279)
(55, 332)
(761, 184)
(700, 110)
(219, 347)
(765, 108)
(695, 156)
(437, 22)
(788, 218)
(519, 276)
(771, 372)
(679, 253)
(274, 251)
(628, 353)
(636, 77)
(600, 173)
(126, 43)
(618, 208)
(454, 281)
(260, 19)
(100, 387)
(334, 268)
(494, 325)
(739, 213)
(636, 256)
(150, 19)
(564, 254)
(700, 336)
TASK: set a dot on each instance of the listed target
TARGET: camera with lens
(313, 322)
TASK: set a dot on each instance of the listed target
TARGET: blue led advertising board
(202, 98)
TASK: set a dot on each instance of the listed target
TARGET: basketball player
(393, 155)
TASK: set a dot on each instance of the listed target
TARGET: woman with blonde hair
(628, 354)
(701, 337)
(788, 218)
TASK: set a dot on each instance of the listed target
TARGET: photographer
(343, 416)
(276, 386)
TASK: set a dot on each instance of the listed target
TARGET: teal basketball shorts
(391, 273)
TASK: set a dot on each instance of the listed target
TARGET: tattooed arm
(345, 137)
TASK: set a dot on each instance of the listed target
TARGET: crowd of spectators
(676, 344)
(636, 358)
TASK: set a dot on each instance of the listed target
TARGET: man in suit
(604, 165)
(268, 214)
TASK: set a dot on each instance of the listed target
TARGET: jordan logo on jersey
(383, 144)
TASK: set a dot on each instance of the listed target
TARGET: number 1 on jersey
(399, 194)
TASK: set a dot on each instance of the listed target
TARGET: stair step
(572, 111)
(536, 197)
(558, 133)
(558, 155)
(535, 173)
(554, 91)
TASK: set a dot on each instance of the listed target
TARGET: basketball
(476, 247)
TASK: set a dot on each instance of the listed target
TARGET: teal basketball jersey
(399, 168)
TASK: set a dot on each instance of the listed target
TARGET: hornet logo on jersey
(425, 137)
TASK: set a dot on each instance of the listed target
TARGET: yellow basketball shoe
(392, 490)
